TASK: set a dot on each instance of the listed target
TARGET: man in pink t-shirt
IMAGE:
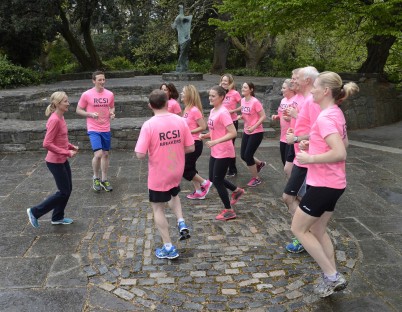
(97, 105)
(166, 139)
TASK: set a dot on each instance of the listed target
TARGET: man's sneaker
(183, 231)
(162, 253)
(236, 196)
(106, 186)
(295, 246)
(226, 214)
(326, 287)
(261, 165)
(96, 185)
(64, 221)
(196, 195)
(34, 222)
(207, 187)
(254, 182)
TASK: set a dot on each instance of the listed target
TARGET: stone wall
(378, 103)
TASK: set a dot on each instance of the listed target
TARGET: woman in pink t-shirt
(221, 132)
(232, 104)
(59, 149)
(253, 115)
(284, 119)
(194, 117)
(173, 95)
(325, 155)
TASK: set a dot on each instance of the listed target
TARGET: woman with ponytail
(325, 155)
(59, 150)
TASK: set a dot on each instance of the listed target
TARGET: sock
(180, 220)
(168, 246)
(204, 183)
(95, 177)
(199, 191)
(333, 277)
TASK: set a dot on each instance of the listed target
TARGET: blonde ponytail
(55, 99)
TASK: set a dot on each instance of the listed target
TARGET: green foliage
(203, 66)
(59, 58)
(12, 76)
(119, 63)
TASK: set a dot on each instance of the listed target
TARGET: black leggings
(190, 169)
(232, 165)
(249, 145)
(217, 172)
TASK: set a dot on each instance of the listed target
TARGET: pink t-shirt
(164, 137)
(333, 175)
(250, 113)
(217, 122)
(305, 119)
(285, 125)
(230, 102)
(95, 102)
(174, 107)
(298, 101)
(56, 140)
(191, 116)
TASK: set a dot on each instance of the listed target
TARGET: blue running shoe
(162, 253)
(34, 222)
(295, 246)
(64, 221)
(183, 231)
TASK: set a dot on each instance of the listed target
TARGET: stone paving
(105, 260)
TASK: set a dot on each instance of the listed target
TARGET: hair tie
(342, 86)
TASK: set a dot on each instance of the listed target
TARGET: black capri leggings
(191, 158)
(249, 145)
(217, 172)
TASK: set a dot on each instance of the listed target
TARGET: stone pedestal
(182, 76)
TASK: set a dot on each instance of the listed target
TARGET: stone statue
(183, 25)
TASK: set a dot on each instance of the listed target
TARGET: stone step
(22, 135)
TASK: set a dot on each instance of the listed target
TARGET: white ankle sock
(333, 277)
(168, 246)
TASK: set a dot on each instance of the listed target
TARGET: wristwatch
(295, 138)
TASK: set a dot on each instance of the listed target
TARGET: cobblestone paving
(236, 265)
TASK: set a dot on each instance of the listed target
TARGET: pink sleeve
(237, 97)
(226, 119)
(143, 140)
(50, 138)
(326, 127)
(188, 137)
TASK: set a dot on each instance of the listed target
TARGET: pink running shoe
(261, 165)
(196, 195)
(226, 214)
(254, 182)
(206, 187)
(236, 196)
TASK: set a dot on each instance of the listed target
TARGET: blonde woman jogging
(194, 117)
(325, 155)
(59, 150)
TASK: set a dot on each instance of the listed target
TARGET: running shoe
(183, 230)
(34, 221)
(196, 195)
(295, 246)
(326, 287)
(261, 165)
(231, 174)
(226, 214)
(106, 186)
(236, 196)
(254, 182)
(162, 253)
(207, 187)
(64, 221)
(96, 185)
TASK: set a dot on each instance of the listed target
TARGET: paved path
(105, 262)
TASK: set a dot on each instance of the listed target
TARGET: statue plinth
(182, 76)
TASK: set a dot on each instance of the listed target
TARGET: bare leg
(301, 225)
(253, 171)
(175, 205)
(288, 169)
(105, 165)
(197, 181)
(292, 202)
(96, 162)
(161, 222)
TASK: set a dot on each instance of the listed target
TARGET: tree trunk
(73, 43)
(377, 54)
(221, 49)
(89, 44)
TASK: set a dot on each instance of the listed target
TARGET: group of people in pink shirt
(313, 146)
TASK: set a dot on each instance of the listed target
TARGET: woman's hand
(210, 143)
(304, 157)
(304, 144)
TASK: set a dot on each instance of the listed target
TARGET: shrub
(13, 76)
(119, 63)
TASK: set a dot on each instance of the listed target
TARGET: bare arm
(189, 149)
(202, 125)
(140, 155)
